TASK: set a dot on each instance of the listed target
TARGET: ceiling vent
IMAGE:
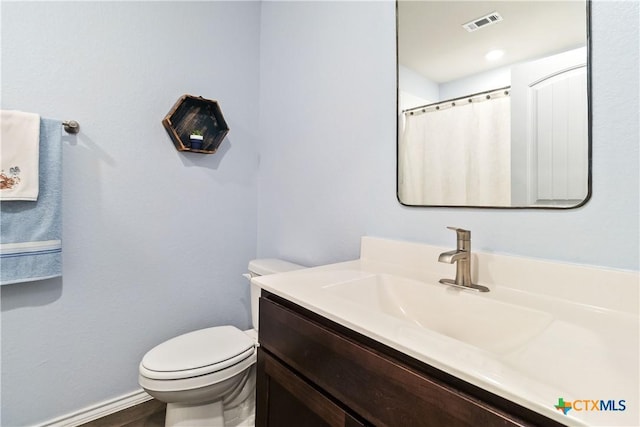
(484, 21)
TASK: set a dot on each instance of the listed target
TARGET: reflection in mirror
(494, 103)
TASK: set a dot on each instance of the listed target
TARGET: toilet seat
(213, 379)
(197, 353)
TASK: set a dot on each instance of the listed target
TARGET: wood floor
(147, 414)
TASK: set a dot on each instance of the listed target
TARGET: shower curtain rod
(453, 101)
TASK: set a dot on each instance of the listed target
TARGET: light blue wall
(327, 172)
(155, 241)
(476, 83)
(411, 82)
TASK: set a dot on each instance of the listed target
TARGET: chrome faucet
(462, 257)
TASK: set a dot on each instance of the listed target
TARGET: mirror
(494, 103)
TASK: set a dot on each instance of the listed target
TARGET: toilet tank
(262, 267)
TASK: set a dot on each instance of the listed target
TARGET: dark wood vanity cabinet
(313, 372)
(291, 401)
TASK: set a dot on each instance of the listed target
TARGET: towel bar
(71, 126)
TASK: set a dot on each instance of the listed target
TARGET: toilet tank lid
(264, 266)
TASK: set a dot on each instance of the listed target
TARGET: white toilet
(207, 377)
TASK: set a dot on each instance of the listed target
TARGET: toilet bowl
(207, 377)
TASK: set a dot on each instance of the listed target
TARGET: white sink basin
(475, 319)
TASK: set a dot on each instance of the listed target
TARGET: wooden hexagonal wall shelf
(196, 124)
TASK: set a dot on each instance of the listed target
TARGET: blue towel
(31, 231)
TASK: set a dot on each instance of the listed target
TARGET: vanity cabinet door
(285, 400)
(365, 378)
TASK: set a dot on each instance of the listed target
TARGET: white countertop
(588, 351)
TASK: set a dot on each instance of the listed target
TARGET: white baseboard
(99, 410)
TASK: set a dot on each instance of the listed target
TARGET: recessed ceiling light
(495, 54)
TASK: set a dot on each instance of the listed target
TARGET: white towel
(19, 155)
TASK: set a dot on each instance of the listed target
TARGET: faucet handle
(461, 233)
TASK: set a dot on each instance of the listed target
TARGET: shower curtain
(457, 156)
